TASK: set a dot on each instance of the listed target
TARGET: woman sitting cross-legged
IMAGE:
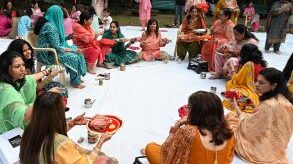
(187, 40)
(151, 41)
(202, 137)
(45, 139)
(263, 136)
(119, 55)
(52, 35)
(224, 52)
(251, 62)
(85, 38)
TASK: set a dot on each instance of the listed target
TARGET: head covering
(55, 16)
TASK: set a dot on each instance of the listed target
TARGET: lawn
(124, 17)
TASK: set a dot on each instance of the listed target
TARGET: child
(75, 13)
(107, 19)
(24, 23)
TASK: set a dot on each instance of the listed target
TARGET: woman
(75, 13)
(145, 7)
(151, 41)
(203, 137)
(51, 34)
(68, 24)
(263, 136)
(43, 78)
(187, 40)
(223, 53)
(18, 92)
(277, 25)
(10, 9)
(24, 23)
(119, 54)
(5, 23)
(251, 63)
(85, 38)
(222, 31)
(249, 12)
(231, 4)
(37, 13)
(48, 142)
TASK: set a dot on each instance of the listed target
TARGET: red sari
(222, 33)
(84, 38)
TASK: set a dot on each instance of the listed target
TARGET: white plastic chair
(33, 40)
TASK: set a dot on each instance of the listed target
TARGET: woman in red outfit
(85, 38)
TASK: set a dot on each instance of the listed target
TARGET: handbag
(10, 144)
(198, 65)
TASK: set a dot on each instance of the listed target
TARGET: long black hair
(85, 15)
(39, 137)
(6, 60)
(17, 46)
(227, 12)
(209, 115)
(39, 24)
(250, 52)
(274, 76)
(288, 68)
(241, 28)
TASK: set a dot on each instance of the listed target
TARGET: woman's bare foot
(100, 65)
(215, 76)
(91, 72)
(79, 86)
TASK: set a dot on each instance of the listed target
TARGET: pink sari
(145, 7)
(222, 33)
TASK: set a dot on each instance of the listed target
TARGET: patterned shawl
(263, 136)
(176, 149)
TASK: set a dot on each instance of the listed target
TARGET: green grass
(126, 19)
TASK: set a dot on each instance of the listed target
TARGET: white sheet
(146, 96)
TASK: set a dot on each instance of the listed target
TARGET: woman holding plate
(48, 142)
(119, 55)
(188, 40)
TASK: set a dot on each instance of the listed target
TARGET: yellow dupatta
(243, 82)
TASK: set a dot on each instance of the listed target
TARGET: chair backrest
(32, 38)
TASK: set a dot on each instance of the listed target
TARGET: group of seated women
(204, 136)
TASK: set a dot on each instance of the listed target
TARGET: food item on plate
(99, 123)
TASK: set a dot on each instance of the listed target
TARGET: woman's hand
(105, 137)
(235, 106)
(56, 90)
(81, 120)
(80, 51)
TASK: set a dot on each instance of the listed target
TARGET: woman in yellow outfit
(251, 63)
